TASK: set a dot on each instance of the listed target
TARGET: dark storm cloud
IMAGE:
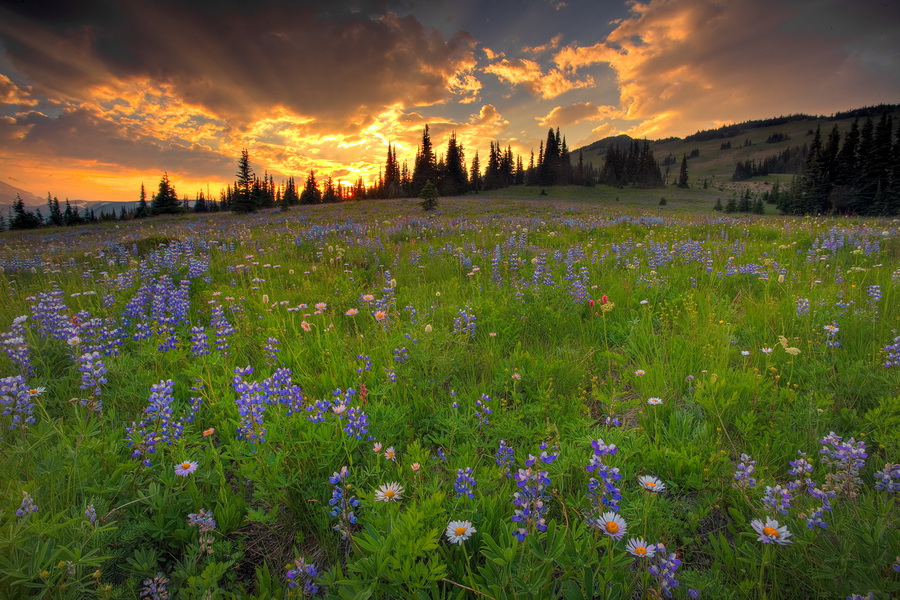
(309, 57)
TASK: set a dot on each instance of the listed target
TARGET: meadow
(515, 397)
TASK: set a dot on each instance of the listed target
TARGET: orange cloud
(681, 67)
(528, 73)
(561, 116)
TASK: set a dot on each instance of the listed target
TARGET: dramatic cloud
(683, 66)
(528, 73)
(561, 116)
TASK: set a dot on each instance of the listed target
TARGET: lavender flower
(155, 588)
(205, 523)
(302, 575)
(777, 498)
(504, 457)
(482, 410)
(465, 483)
(16, 400)
(27, 507)
(893, 354)
(91, 513)
(888, 479)
(663, 568)
(744, 471)
(530, 501)
(342, 503)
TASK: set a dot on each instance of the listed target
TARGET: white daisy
(612, 525)
(638, 547)
(770, 532)
(390, 492)
(651, 483)
(459, 531)
(654, 401)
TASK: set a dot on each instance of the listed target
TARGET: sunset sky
(97, 97)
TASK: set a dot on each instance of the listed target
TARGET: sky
(100, 96)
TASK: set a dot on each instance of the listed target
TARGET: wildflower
(869, 596)
(612, 525)
(745, 353)
(888, 479)
(390, 492)
(302, 574)
(644, 302)
(664, 570)
(376, 447)
(638, 547)
(692, 593)
(465, 483)
(770, 532)
(185, 468)
(155, 588)
(766, 350)
(651, 484)
(27, 507)
(390, 454)
(743, 472)
(516, 376)
(415, 467)
(368, 297)
(351, 311)
(777, 498)
(305, 326)
(654, 401)
(459, 531)
(640, 372)
(209, 432)
(504, 457)
(321, 306)
(380, 315)
(342, 502)
(91, 513)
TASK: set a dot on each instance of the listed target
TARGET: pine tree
(142, 209)
(311, 193)
(683, 174)
(243, 200)
(454, 181)
(718, 205)
(22, 219)
(166, 200)
(429, 197)
(425, 167)
(475, 175)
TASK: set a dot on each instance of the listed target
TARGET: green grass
(551, 368)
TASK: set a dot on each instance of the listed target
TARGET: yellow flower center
(650, 484)
(185, 465)
(390, 494)
(612, 527)
(640, 551)
(771, 531)
(460, 530)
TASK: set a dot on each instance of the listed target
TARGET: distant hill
(8, 196)
(718, 150)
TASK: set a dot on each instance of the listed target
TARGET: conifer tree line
(858, 174)
(789, 161)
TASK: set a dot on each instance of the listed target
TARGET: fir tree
(454, 181)
(425, 167)
(683, 174)
(429, 197)
(243, 200)
(166, 200)
(311, 193)
(475, 175)
(142, 209)
(21, 218)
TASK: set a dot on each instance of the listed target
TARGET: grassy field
(578, 395)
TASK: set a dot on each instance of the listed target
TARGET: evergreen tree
(166, 200)
(142, 209)
(425, 167)
(429, 197)
(245, 193)
(21, 218)
(731, 207)
(329, 193)
(454, 181)
(290, 197)
(475, 175)
(311, 193)
(55, 218)
(683, 174)
(718, 205)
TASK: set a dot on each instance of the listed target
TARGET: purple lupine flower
(91, 513)
(93, 376)
(28, 507)
(845, 459)
(888, 479)
(504, 457)
(465, 483)
(199, 341)
(482, 410)
(777, 498)
(663, 568)
(893, 354)
(744, 471)
(205, 523)
(17, 401)
(271, 350)
(302, 575)
(155, 588)
(342, 503)
(14, 345)
(802, 306)
(530, 501)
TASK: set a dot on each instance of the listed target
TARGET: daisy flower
(651, 483)
(352, 311)
(185, 468)
(380, 315)
(612, 525)
(390, 454)
(745, 353)
(376, 447)
(209, 432)
(321, 306)
(415, 467)
(368, 297)
(389, 492)
(640, 372)
(654, 401)
(638, 547)
(770, 532)
(459, 531)
(305, 326)
(766, 350)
